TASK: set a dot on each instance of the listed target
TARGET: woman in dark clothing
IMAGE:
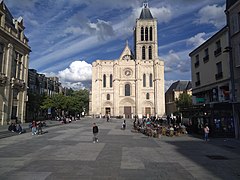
(95, 133)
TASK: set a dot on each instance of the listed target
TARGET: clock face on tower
(127, 72)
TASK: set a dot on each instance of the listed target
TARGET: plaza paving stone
(67, 152)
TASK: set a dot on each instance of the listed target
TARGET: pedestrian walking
(206, 132)
(124, 125)
(95, 133)
(108, 117)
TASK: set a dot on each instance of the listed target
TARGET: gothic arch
(107, 104)
(127, 101)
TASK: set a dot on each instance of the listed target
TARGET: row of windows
(150, 80)
(144, 80)
(217, 52)
(105, 80)
(128, 92)
(149, 52)
(17, 70)
(218, 75)
(146, 34)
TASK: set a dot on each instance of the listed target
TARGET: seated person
(12, 127)
(19, 129)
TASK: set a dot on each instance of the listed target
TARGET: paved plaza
(67, 152)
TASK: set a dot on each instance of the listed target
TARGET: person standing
(95, 133)
(206, 132)
(124, 125)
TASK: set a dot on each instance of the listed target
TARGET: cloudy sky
(66, 36)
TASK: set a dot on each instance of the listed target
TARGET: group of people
(36, 127)
(155, 127)
(16, 127)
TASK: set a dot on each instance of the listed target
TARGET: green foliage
(35, 101)
(184, 101)
(75, 102)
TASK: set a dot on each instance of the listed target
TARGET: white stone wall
(129, 70)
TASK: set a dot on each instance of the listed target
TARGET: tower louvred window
(150, 34)
(142, 34)
(150, 52)
(143, 52)
(146, 34)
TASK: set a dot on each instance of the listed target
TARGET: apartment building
(211, 85)
(233, 23)
(39, 85)
(14, 60)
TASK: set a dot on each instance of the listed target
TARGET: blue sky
(66, 36)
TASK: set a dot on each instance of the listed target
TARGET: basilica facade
(132, 85)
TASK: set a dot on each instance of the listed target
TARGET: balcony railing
(206, 58)
(219, 76)
(218, 51)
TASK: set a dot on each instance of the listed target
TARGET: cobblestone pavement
(67, 152)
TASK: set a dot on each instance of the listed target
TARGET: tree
(76, 102)
(184, 101)
(57, 102)
(80, 101)
(34, 104)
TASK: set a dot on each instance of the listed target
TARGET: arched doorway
(127, 107)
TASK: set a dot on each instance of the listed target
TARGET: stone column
(138, 79)
(116, 86)
(8, 88)
(159, 95)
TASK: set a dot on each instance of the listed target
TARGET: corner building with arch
(132, 85)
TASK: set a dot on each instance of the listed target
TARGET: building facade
(132, 85)
(174, 92)
(233, 23)
(39, 86)
(14, 60)
(211, 85)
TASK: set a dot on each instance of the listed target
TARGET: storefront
(218, 117)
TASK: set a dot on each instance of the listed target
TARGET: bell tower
(149, 69)
(146, 47)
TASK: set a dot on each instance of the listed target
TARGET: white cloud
(212, 14)
(77, 76)
(197, 40)
(163, 14)
(73, 30)
(74, 86)
(102, 28)
(77, 71)
(176, 62)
